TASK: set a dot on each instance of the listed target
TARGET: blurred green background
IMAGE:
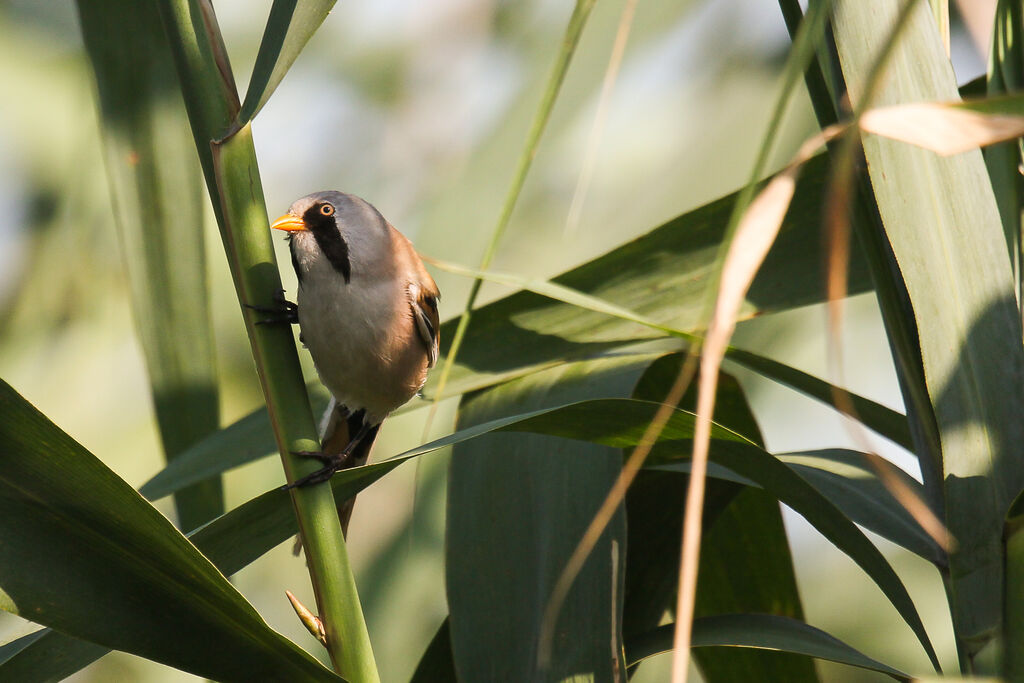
(421, 108)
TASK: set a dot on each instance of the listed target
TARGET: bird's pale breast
(363, 341)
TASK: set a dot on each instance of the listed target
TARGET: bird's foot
(283, 311)
(331, 464)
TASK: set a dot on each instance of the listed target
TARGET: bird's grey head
(331, 225)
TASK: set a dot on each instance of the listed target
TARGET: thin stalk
(232, 175)
(611, 74)
(540, 120)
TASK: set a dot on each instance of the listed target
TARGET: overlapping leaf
(289, 27)
(250, 530)
(759, 631)
(86, 555)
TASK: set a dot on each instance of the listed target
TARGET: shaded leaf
(745, 562)
(615, 423)
(654, 527)
(156, 188)
(847, 479)
(746, 566)
(534, 503)
(760, 631)
(436, 664)
(86, 555)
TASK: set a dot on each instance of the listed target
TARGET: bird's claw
(283, 311)
(331, 464)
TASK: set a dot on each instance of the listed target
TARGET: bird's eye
(327, 210)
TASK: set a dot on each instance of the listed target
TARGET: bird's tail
(337, 429)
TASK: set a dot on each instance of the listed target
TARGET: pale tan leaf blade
(943, 128)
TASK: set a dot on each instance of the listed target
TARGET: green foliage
(557, 384)
(761, 632)
(976, 385)
(87, 556)
(156, 191)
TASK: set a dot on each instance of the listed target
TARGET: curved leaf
(761, 631)
(847, 479)
(83, 553)
(289, 27)
(250, 530)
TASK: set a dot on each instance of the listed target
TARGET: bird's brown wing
(422, 290)
(424, 310)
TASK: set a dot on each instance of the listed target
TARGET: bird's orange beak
(289, 222)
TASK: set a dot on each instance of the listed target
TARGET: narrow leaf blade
(760, 631)
(289, 27)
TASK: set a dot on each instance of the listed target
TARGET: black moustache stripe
(329, 239)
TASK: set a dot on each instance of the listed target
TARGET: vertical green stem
(232, 175)
(248, 238)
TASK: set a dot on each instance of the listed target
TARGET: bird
(367, 313)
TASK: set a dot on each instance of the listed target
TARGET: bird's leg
(332, 462)
(283, 311)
